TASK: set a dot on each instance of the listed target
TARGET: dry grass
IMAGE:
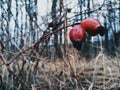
(99, 73)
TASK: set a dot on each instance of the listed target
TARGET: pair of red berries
(78, 32)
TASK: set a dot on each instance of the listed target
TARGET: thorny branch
(66, 45)
(35, 44)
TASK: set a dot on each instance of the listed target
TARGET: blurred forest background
(34, 36)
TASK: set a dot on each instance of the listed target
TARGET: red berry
(77, 33)
(77, 36)
(91, 26)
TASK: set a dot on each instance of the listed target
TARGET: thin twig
(103, 62)
(12, 72)
(66, 45)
